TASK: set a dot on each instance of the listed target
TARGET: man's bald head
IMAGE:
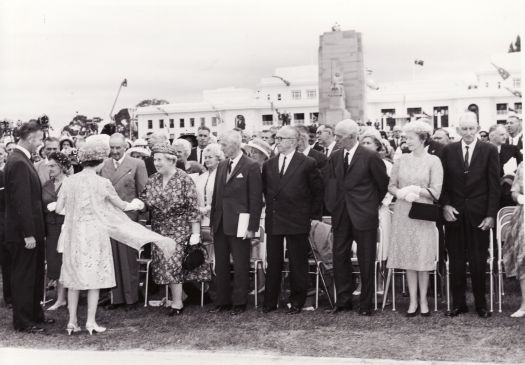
(468, 127)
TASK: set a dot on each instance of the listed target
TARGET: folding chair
(257, 261)
(323, 264)
(503, 219)
(490, 272)
(144, 265)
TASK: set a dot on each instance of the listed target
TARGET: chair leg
(491, 287)
(146, 286)
(500, 286)
(317, 273)
(403, 282)
(256, 281)
(447, 278)
(393, 290)
(202, 294)
(375, 284)
(435, 287)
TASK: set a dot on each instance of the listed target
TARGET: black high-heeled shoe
(175, 311)
(412, 314)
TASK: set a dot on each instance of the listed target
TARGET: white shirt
(306, 150)
(330, 149)
(117, 163)
(514, 140)
(199, 151)
(287, 162)
(234, 161)
(26, 152)
(471, 148)
(350, 153)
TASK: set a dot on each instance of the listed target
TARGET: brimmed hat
(140, 150)
(92, 150)
(261, 146)
(65, 138)
(139, 142)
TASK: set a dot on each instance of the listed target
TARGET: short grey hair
(185, 144)
(215, 150)
(348, 126)
(233, 136)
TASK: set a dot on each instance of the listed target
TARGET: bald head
(117, 146)
(346, 132)
(468, 127)
(467, 119)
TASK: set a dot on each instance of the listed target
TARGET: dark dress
(173, 209)
(54, 223)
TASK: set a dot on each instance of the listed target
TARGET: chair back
(321, 240)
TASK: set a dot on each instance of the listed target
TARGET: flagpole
(115, 102)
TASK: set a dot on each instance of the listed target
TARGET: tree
(149, 102)
(517, 45)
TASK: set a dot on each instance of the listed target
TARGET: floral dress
(173, 209)
(514, 236)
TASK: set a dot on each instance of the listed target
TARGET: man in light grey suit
(128, 175)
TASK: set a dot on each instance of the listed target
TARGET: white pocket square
(239, 176)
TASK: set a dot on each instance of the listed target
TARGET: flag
(419, 62)
(516, 93)
(124, 83)
(502, 72)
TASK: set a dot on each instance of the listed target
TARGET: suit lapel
(356, 155)
(294, 164)
(460, 154)
(122, 170)
(476, 153)
(235, 171)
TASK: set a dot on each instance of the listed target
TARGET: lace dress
(514, 237)
(93, 215)
(413, 242)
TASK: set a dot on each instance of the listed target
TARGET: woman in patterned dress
(416, 176)
(171, 198)
(514, 247)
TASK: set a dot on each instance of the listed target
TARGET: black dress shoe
(294, 310)
(266, 309)
(483, 313)
(47, 321)
(337, 309)
(220, 308)
(175, 311)
(456, 311)
(111, 307)
(365, 312)
(34, 330)
(426, 314)
(237, 309)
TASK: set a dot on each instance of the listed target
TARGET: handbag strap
(432, 195)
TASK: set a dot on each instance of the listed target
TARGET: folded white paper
(242, 225)
(510, 167)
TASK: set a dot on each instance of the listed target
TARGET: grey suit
(128, 180)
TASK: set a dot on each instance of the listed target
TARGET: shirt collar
(351, 151)
(470, 146)
(119, 161)
(236, 159)
(331, 145)
(307, 150)
(288, 155)
(26, 152)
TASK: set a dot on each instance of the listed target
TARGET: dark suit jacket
(507, 152)
(317, 146)
(520, 142)
(475, 194)
(242, 193)
(23, 192)
(319, 158)
(393, 143)
(295, 199)
(435, 148)
(360, 192)
(150, 166)
(2, 208)
(128, 180)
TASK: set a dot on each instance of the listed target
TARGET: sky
(61, 57)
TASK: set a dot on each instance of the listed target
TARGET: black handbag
(193, 257)
(424, 211)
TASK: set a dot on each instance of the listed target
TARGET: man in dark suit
(25, 231)
(514, 129)
(128, 176)
(470, 199)
(203, 139)
(395, 141)
(293, 191)
(5, 259)
(327, 139)
(238, 190)
(305, 148)
(356, 184)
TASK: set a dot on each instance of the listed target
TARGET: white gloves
(135, 204)
(414, 189)
(52, 206)
(402, 193)
(195, 239)
(410, 197)
(521, 199)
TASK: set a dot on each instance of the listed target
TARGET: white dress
(93, 215)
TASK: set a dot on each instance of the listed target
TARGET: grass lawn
(387, 335)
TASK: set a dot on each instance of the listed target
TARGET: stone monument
(341, 76)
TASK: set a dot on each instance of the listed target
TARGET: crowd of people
(78, 212)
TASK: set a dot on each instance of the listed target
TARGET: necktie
(200, 158)
(326, 151)
(281, 173)
(229, 170)
(466, 163)
(117, 164)
(346, 161)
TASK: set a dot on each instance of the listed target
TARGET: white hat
(140, 150)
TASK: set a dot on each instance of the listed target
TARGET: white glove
(410, 197)
(402, 193)
(138, 203)
(195, 239)
(414, 189)
(133, 205)
(52, 206)
(521, 199)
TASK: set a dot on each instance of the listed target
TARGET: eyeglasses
(279, 139)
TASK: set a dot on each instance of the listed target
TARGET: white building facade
(291, 94)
